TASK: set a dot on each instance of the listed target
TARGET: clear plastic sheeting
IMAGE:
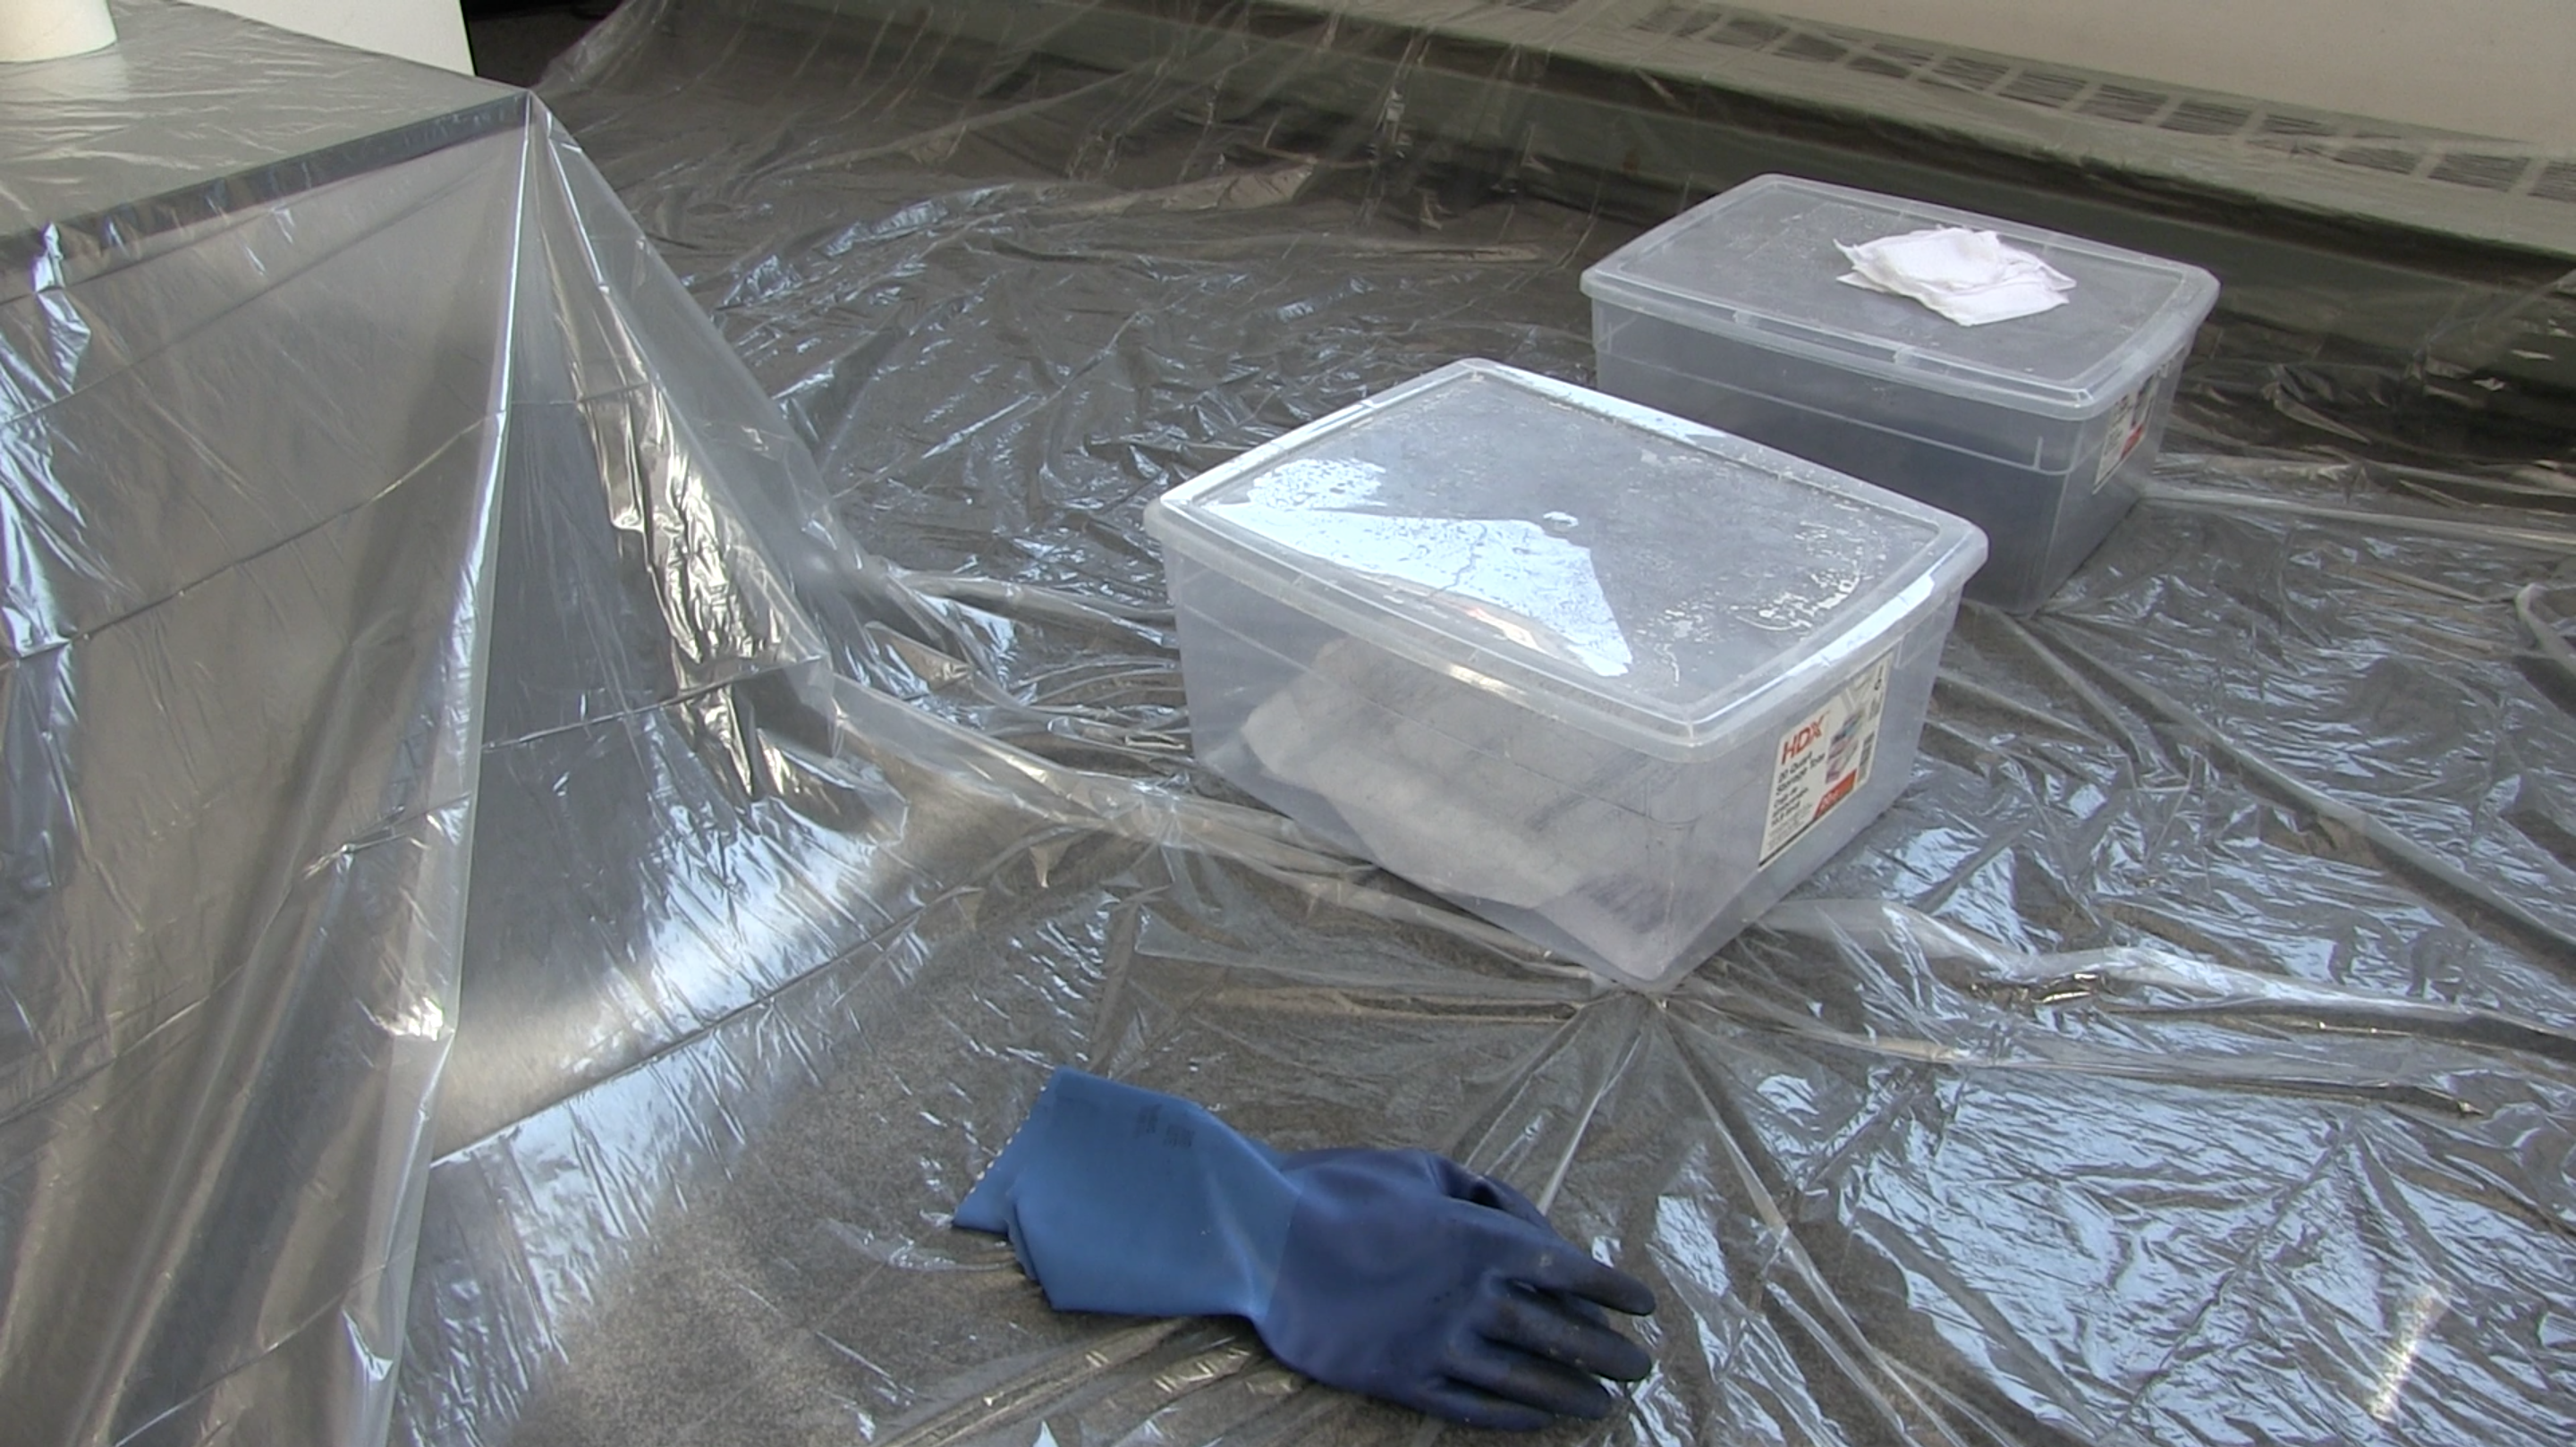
(427, 641)
(281, 370)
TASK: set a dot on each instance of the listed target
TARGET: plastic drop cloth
(427, 644)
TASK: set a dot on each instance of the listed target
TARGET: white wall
(429, 31)
(2492, 67)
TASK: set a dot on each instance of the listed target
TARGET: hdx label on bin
(1824, 758)
(2128, 427)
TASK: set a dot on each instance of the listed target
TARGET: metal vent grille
(1747, 34)
(2040, 88)
(2338, 140)
(1803, 46)
(2381, 158)
(2486, 172)
(2209, 118)
(1896, 62)
(2125, 103)
(1968, 72)
(2556, 182)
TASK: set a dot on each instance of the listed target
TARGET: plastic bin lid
(1632, 573)
(1759, 264)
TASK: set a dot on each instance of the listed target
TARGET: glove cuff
(1119, 1199)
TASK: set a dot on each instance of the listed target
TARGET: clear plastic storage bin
(2039, 429)
(1606, 677)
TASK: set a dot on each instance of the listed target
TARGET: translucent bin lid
(1759, 264)
(1626, 571)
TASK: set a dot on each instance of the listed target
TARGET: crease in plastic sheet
(751, 779)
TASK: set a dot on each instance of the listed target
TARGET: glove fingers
(1534, 1381)
(1534, 1322)
(1562, 1266)
(1477, 1189)
(1586, 1310)
(1486, 1191)
(1476, 1407)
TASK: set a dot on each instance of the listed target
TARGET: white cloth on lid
(1971, 277)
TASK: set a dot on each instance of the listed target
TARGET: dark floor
(513, 40)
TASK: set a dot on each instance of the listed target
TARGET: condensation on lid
(1761, 264)
(1577, 543)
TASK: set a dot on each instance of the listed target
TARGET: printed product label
(2128, 428)
(1825, 758)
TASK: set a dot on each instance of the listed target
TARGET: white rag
(1971, 277)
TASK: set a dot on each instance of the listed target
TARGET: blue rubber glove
(1396, 1273)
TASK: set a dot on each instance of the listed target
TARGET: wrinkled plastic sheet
(431, 648)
